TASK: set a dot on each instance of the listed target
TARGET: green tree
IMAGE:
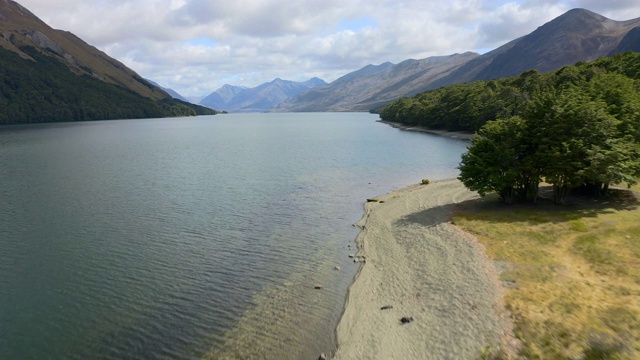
(501, 159)
(579, 143)
(622, 97)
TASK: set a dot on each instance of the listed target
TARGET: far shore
(426, 289)
(451, 134)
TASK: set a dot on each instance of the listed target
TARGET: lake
(192, 238)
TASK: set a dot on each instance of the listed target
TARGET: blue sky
(196, 46)
(356, 24)
(202, 41)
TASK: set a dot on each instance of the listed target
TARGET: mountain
(468, 71)
(52, 75)
(372, 85)
(577, 35)
(221, 97)
(314, 82)
(174, 94)
(260, 98)
(631, 42)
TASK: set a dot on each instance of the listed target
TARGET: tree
(501, 159)
(579, 143)
(576, 128)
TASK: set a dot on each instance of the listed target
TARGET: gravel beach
(426, 291)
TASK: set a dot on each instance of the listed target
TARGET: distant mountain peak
(314, 82)
(578, 11)
(229, 86)
(466, 53)
(580, 20)
(581, 12)
(260, 98)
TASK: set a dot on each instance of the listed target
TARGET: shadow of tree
(428, 217)
(490, 209)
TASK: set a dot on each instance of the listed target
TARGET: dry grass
(572, 273)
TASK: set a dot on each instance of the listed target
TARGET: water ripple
(184, 238)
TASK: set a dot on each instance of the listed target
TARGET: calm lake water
(191, 237)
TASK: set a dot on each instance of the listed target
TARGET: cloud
(613, 9)
(513, 20)
(195, 46)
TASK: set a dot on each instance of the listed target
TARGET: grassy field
(571, 273)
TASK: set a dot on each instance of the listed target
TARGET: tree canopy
(467, 107)
(575, 128)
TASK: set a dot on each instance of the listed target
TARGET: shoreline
(420, 268)
(452, 134)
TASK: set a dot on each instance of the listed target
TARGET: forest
(45, 90)
(577, 129)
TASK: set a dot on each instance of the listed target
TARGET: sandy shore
(426, 269)
(451, 134)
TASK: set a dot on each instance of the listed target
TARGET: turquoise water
(191, 237)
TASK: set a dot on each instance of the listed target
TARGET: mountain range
(259, 98)
(375, 85)
(577, 35)
(52, 75)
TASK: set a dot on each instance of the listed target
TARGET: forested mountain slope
(467, 107)
(51, 75)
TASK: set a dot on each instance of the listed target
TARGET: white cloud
(195, 46)
(514, 19)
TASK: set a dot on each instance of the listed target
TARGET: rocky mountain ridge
(257, 99)
(577, 35)
(373, 85)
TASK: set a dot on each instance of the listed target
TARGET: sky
(196, 46)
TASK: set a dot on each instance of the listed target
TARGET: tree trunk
(507, 195)
(560, 193)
